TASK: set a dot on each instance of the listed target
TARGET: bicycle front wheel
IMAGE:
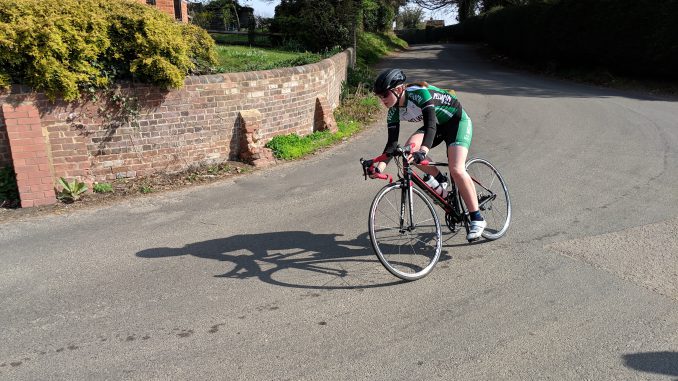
(493, 197)
(407, 240)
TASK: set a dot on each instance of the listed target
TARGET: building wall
(167, 6)
(174, 130)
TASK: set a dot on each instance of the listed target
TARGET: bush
(316, 24)
(625, 36)
(64, 46)
(518, 31)
(377, 16)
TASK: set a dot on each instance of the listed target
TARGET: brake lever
(365, 164)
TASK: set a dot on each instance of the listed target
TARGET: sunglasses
(384, 95)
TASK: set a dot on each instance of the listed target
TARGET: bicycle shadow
(291, 259)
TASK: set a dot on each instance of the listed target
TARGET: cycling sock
(475, 216)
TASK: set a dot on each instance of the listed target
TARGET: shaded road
(271, 275)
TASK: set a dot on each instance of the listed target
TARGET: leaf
(63, 183)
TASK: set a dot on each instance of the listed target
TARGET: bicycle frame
(452, 208)
(409, 177)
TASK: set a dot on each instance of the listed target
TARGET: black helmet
(388, 79)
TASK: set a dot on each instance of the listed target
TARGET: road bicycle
(403, 225)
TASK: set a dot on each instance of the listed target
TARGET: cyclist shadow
(292, 259)
(663, 363)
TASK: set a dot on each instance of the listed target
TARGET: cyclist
(444, 120)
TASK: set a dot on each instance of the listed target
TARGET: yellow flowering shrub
(62, 47)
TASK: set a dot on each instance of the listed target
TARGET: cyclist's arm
(430, 123)
(392, 142)
(393, 128)
(423, 99)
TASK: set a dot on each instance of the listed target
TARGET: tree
(376, 16)
(263, 23)
(317, 24)
(469, 8)
(215, 14)
(465, 8)
(411, 17)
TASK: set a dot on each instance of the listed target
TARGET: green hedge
(62, 47)
(625, 36)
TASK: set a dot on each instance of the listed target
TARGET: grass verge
(371, 47)
(358, 106)
(351, 117)
(243, 58)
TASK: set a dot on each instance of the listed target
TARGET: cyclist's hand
(419, 156)
(373, 172)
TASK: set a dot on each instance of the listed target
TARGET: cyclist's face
(388, 99)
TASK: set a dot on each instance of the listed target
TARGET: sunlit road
(271, 275)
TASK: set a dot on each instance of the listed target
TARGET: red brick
(33, 181)
(19, 127)
(44, 187)
(27, 193)
(24, 189)
(21, 137)
(22, 154)
(42, 160)
(30, 169)
(11, 122)
(29, 121)
(16, 114)
(23, 108)
(45, 201)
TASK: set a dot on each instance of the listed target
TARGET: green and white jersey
(417, 98)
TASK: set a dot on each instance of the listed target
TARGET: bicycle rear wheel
(407, 244)
(493, 197)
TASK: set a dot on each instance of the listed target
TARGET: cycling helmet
(388, 79)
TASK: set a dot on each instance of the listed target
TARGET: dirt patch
(125, 189)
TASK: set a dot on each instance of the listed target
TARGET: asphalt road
(271, 275)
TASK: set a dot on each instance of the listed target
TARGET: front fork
(406, 206)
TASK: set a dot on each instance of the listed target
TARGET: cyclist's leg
(457, 159)
(417, 138)
(457, 152)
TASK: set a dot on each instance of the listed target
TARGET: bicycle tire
(496, 211)
(420, 247)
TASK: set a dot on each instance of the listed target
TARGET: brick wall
(200, 123)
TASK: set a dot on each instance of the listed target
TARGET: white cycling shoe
(475, 230)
